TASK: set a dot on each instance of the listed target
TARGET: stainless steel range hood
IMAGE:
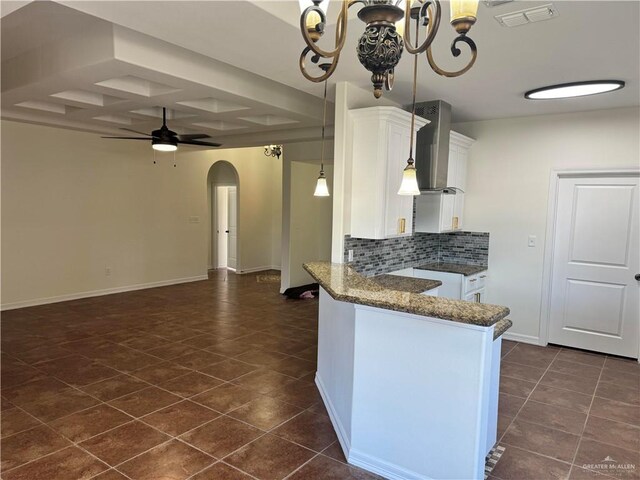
(432, 147)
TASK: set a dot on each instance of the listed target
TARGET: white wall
(74, 204)
(508, 190)
(307, 233)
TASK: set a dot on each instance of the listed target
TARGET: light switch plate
(532, 241)
(350, 256)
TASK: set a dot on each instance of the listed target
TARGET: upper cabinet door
(380, 150)
(438, 213)
(398, 217)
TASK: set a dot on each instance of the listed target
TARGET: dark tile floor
(566, 413)
(213, 380)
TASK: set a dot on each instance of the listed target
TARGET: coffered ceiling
(67, 68)
(229, 68)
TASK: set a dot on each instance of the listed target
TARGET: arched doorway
(223, 187)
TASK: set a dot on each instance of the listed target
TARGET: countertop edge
(501, 326)
(416, 310)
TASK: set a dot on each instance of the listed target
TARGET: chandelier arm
(324, 76)
(341, 29)
(455, 52)
(430, 9)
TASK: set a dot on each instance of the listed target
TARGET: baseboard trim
(341, 433)
(518, 337)
(99, 293)
(382, 468)
(258, 269)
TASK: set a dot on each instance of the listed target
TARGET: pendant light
(322, 189)
(409, 185)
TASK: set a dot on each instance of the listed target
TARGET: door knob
(638, 276)
(226, 231)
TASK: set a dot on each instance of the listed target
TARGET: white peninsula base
(410, 397)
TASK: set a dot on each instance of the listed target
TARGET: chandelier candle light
(381, 45)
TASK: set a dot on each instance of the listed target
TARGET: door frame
(549, 243)
(212, 206)
(219, 191)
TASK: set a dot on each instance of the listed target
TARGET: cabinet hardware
(477, 295)
(473, 280)
(638, 276)
(483, 276)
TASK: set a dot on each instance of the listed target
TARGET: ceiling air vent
(530, 15)
(495, 3)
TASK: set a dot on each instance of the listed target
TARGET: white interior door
(594, 293)
(222, 217)
(232, 250)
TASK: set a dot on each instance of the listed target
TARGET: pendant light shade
(322, 189)
(409, 185)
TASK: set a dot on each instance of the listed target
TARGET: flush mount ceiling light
(381, 45)
(574, 89)
(273, 150)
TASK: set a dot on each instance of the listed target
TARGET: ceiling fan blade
(135, 131)
(130, 138)
(202, 144)
(192, 136)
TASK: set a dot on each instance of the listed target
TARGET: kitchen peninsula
(410, 381)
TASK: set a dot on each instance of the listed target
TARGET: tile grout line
(528, 396)
(301, 466)
(584, 425)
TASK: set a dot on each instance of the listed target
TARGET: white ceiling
(588, 40)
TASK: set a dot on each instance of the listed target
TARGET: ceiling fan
(165, 140)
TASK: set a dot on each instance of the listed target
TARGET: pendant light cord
(413, 104)
(324, 122)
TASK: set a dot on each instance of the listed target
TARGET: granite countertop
(501, 327)
(405, 284)
(462, 269)
(346, 285)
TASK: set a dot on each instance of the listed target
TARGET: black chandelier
(273, 150)
(381, 45)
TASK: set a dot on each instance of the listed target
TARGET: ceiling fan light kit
(163, 146)
(165, 140)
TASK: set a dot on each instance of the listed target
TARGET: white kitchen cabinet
(439, 212)
(471, 288)
(476, 297)
(379, 154)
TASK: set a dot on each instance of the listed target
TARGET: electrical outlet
(350, 256)
(194, 219)
(107, 271)
(532, 241)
